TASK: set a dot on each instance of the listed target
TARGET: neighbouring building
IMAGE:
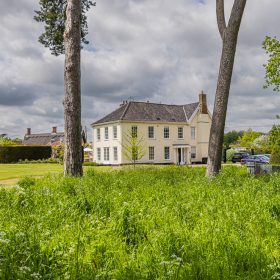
(171, 133)
(53, 138)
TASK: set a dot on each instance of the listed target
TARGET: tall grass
(147, 223)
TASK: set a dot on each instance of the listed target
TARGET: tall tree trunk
(72, 90)
(229, 35)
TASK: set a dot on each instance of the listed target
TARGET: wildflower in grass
(103, 274)
(5, 241)
(24, 269)
(35, 275)
(169, 273)
(20, 234)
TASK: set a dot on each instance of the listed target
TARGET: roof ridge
(125, 110)
(185, 112)
(156, 103)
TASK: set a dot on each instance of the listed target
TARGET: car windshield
(262, 156)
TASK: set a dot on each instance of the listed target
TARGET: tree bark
(229, 35)
(72, 90)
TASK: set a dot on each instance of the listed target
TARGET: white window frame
(98, 135)
(98, 153)
(193, 133)
(152, 153)
(115, 153)
(106, 133)
(180, 133)
(166, 132)
(167, 152)
(115, 132)
(106, 154)
(151, 132)
(193, 152)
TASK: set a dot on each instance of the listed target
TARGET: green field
(10, 171)
(151, 223)
(14, 171)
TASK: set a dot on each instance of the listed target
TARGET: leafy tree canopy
(6, 141)
(231, 137)
(274, 136)
(272, 68)
(247, 139)
(53, 14)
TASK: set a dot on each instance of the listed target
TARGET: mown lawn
(11, 171)
(151, 223)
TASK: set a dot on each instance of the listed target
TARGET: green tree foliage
(274, 144)
(274, 136)
(133, 147)
(272, 68)
(248, 139)
(6, 141)
(231, 137)
(53, 14)
(262, 143)
(275, 154)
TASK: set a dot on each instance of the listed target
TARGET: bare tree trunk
(229, 36)
(72, 90)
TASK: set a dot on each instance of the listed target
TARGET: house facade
(170, 133)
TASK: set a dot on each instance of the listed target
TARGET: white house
(171, 133)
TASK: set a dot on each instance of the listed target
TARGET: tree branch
(236, 15)
(220, 11)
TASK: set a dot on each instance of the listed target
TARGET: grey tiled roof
(43, 138)
(145, 111)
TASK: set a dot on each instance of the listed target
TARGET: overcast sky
(157, 50)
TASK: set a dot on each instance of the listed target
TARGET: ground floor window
(193, 152)
(166, 153)
(106, 154)
(98, 154)
(151, 153)
(115, 153)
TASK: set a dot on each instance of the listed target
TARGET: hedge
(10, 154)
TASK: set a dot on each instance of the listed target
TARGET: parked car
(236, 157)
(255, 158)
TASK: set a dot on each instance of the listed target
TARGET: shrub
(275, 155)
(48, 160)
(90, 163)
(9, 154)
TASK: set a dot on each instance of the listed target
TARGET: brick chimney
(28, 131)
(54, 130)
(203, 103)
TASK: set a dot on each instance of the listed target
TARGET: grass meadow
(147, 223)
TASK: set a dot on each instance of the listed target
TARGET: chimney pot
(28, 131)
(54, 129)
(203, 103)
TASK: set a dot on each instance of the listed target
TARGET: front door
(181, 158)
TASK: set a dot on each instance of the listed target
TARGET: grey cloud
(151, 50)
(16, 95)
